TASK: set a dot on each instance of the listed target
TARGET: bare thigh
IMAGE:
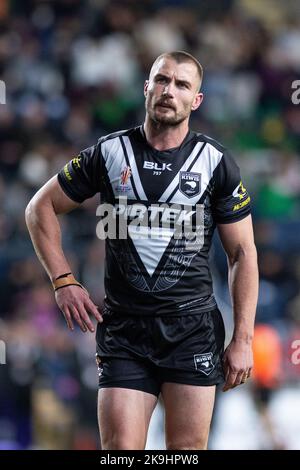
(124, 416)
(188, 413)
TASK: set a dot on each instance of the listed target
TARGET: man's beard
(171, 121)
(164, 120)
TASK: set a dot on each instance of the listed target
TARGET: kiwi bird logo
(191, 184)
(204, 363)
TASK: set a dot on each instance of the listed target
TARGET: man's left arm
(238, 242)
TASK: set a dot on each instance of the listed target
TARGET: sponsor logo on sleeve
(76, 162)
(67, 173)
(240, 192)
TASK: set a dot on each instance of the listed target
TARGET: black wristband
(67, 285)
(62, 275)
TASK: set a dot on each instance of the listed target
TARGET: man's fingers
(79, 307)
(94, 310)
(228, 386)
(68, 318)
(229, 381)
(85, 317)
(226, 372)
(233, 379)
(240, 378)
(227, 375)
(77, 318)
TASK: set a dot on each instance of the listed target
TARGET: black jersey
(152, 268)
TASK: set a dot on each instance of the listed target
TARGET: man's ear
(197, 101)
(146, 84)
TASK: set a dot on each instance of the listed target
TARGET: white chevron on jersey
(135, 174)
(151, 245)
(205, 164)
(174, 182)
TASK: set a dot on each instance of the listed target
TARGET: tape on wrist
(65, 280)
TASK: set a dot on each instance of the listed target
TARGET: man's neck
(165, 137)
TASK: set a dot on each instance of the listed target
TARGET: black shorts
(142, 353)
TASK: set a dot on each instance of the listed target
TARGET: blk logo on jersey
(157, 166)
(190, 183)
(204, 363)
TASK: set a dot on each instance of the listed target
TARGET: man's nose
(168, 90)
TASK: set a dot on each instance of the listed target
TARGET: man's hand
(237, 363)
(75, 304)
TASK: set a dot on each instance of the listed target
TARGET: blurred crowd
(74, 71)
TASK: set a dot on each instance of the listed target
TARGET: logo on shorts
(204, 363)
(190, 183)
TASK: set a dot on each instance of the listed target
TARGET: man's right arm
(43, 225)
(42, 222)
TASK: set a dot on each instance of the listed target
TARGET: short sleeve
(80, 179)
(231, 201)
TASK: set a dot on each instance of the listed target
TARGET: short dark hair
(181, 57)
